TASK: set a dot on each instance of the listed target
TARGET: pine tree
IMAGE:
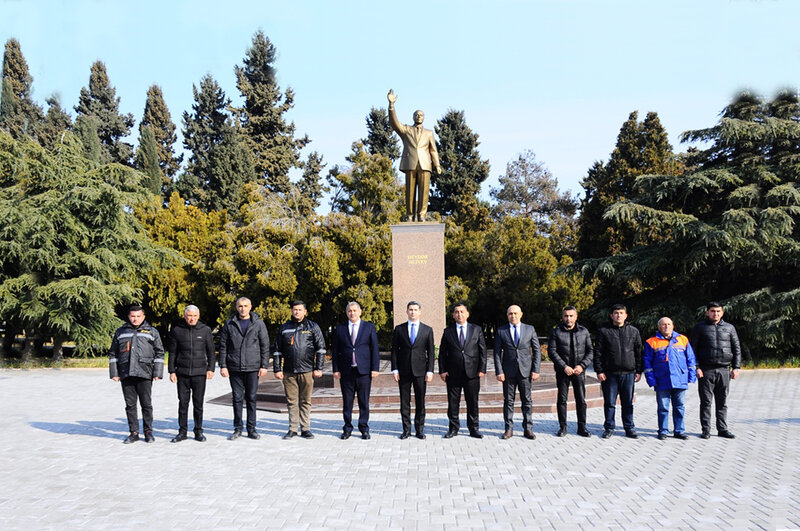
(380, 139)
(56, 121)
(147, 161)
(463, 169)
(267, 134)
(86, 131)
(157, 117)
(19, 114)
(311, 188)
(100, 101)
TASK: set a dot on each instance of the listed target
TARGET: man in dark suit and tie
(356, 362)
(516, 362)
(462, 364)
(412, 364)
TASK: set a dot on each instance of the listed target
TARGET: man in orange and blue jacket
(669, 367)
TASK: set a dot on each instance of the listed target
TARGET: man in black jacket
(191, 363)
(570, 348)
(619, 364)
(719, 357)
(136, 359)
(297, 360)
(244, 356)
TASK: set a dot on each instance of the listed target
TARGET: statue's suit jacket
(419, 145)
(517, 361)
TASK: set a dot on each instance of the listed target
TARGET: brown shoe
(508, 434)
(529, 434)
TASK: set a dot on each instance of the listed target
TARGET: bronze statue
(419, 158)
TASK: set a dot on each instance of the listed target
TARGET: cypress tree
(380, 139)
(56, 121)
(147, 161)
(100, 101)
(19, 114)
(157, 117)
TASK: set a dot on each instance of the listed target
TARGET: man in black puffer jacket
(619, 364)
(719, 357)
(244, 356)
(136, 359)
(191, 363)
(297, 360)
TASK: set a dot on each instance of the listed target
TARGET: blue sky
(556, 77)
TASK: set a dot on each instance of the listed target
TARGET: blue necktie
(516, 337)
(413, 336)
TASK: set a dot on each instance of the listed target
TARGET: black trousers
(244, 387)
(471, 387)
(354, 384)
(194, 387)
(420, 385)
(133, 389)
(714, 386)
(510, 386)
(578, 390)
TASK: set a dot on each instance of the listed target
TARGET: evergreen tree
(311, 188)
(100, 101)
(219, 163)
(157, 117)
(728, 229)
(19, 114)
(269, 137)
(86, 131)
(147, 161)
(642, 147)
(56, 121)
(380, 139)
(463, 169)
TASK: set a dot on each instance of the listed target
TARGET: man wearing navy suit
(412, 364)
(516, 362)
(356, 362)
(462, 364)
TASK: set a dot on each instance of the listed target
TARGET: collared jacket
(669, 363)
(558, 347)
(191, 350)
(299, 347)
(618, 349)
(716, 345)
(136, 352)
(244, 352)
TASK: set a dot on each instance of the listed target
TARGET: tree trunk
(27, 351)
(58, 349)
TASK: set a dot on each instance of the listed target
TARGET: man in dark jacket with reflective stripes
(191, 363)
(719, 358)
(244, 356)
(136, 358)
(570, 348)
(297, 360)
(619, 364)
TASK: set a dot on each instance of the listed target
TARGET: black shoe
(562, 432)
(180, 437)
(528, 434)
(306, 434)
(366, 436)
(705, 435)
(607, 434)
(631, 434)
(199, 437)
(345, 435)
(405, 435)
(726, 435)
(132, 438)
(662, 437)
(584, 433)
(450, 434)
(253, 435)
(475, 434)
(235, 435)
(290, 434)
(681, 436)
(148, 438)
(420, 435)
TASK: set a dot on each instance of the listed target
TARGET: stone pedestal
(418, 272)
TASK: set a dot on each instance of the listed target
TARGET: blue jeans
(622, 385)
(678, 399)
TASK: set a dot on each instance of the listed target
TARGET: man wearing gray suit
(419, 158)
(516, 363)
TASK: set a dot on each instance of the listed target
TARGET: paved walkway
(63, 466)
